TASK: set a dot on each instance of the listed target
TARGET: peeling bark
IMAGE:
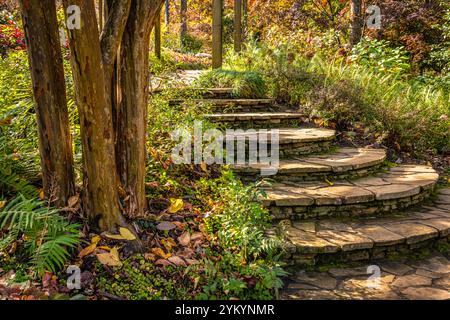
(132, 104)
(55, 142)
(100, 180)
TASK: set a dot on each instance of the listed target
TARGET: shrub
(246, 84)
(380, 56)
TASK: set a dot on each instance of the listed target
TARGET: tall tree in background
(357, 21)
(55, 142)
(183, 20)
(167, 12)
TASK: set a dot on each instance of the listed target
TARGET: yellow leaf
(95, 239)
(88, 250)
(126, 234)
(2, 204)
(160, 252)
(204, 167)
(41, 194)
(168, 243)
(176, 205)
(106, 248)
(329, 182)
(110, 258)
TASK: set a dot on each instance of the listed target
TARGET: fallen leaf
(163, 262)
(184, 239)
(168, 243)
(175, 205)
(165, 226)
(204, 167)
(110, 258)
(149, 256)
(95, 239)
(87, 251)
(329, 182)
(160, 252)
(73, 201)
(106, 248)
(127, 234)
(191, 261)
(177, 261)
(41, 194)
(2, 204)
(196, 235)
(153, 184)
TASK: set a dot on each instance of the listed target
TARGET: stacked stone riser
(314, 176)
(296, 213)
(302, 260)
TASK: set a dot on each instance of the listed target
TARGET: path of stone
(401, 279)
(344, 205)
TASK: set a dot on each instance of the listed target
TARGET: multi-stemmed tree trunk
(111, 87)
(132, 108)
(357, 21)
(55, 143)
(101, 200)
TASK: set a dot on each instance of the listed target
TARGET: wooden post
(217, 34)
(158, 36)
(237, 25)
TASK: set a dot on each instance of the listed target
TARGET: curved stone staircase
(332, 203)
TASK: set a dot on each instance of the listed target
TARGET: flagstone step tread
(398, 188)
(371, 236)
(218, 91)
(229, 101)
(343, 160)
(287, 135)
(256, 116)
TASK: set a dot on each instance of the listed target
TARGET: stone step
(344, 163)
(291, 141)
(231, 105)
(317, 242)
(206, 93)
(258, 119)
(398, 188)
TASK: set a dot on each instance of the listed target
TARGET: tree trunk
(357, 20)
(55, 142)
(101, 201)
(133, 99)
(167, 12)
(158, 36)
(183, 17)
(217, 34)
(237, 25)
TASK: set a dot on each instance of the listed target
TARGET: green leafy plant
(45, 236)
(245, 84)
(380, 56)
